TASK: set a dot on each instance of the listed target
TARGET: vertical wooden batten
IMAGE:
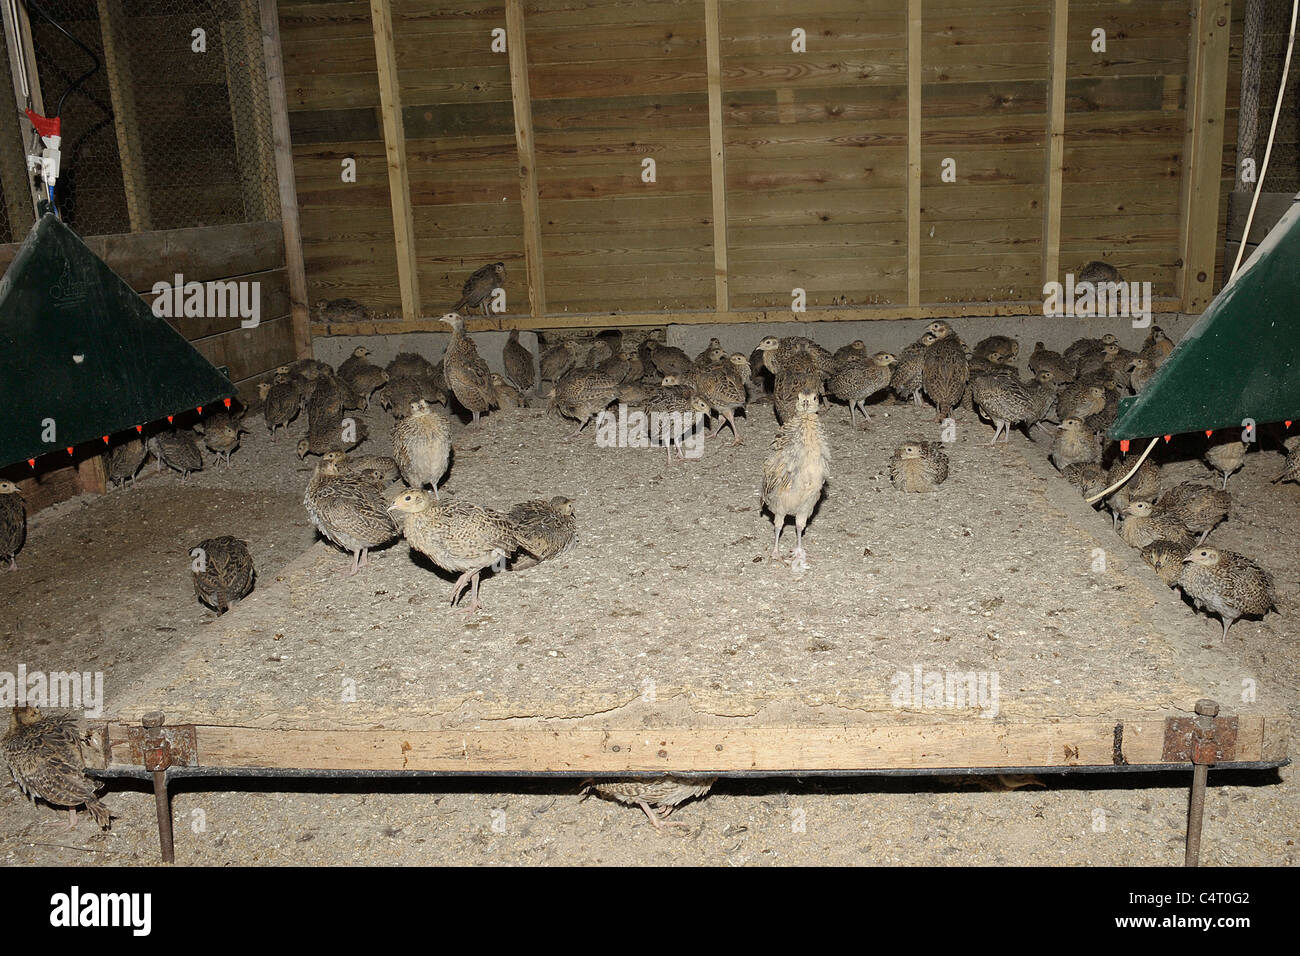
(913, 152)
(293, 261)
(399, 186)
(717, 155)
(19, 31)
(1055, 151)
(1207, 85)
(521, 98)
(117, 67)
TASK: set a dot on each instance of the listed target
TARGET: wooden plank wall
(333, 99)
(815, 152)
(1125, 112)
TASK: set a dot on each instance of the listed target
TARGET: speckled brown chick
(905, 382)
(1097, 271)
(13, 523)
(858, 380)
(1080, 401)
(557, 360)
(422, 446)
(1165, 558)
(854, 351)
(460, 537)
(1043, 359)
(1143, 486)
(581, 394)
(918, 467)
(1199, 507)
(506, 396)
(379, 470)
(795, 473)
(1290, 467)
(221, 433)
(1089, 477)
(1006, 347)
(798, 373)
(468, 375)
(1141, 526)
(670, 360)
(657, 797)
(348, 510)
(124, 460)
(722, 386)
(410, 364)
(944, 370)
(1227, 584)
(1075, 443)
(544, 528)
(1226, 456)
(45, 756)
(478, 287)
(176, 449)
(223, 571)
(1005, 401)
(281, 402)
(518, 363)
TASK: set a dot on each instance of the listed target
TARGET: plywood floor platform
(670, 641)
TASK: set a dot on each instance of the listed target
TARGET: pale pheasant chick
(1142, 525)
(1226, 457)
(918, 467)
(795, 473)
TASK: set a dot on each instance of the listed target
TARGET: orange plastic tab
(1123, 445)
(1167, 437)
(1209, 432)
(69, 449)
(140, 429)
(105, 439)
(226, 402)
(32, 462)
(199, 409)
(169, 419)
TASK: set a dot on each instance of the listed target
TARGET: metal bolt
(1207, 708)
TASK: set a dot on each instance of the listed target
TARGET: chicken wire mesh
(172, 128)
(1266, 32)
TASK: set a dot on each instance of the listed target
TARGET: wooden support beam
(13, 172)
(717, 154)
(117, 67)
(399, 186)
(1053, 174)
(279, 104)
(581, 320)
(1044, 744)
(913, 153)
(521, 98)
(1207, 86)
(26, 81)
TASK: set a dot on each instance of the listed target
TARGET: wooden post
(1055, 143)
(1207, 89)
(13, 173)
(521, 97)
(913, 152)
(16, 31)
(117, 67)
(717, 155)
(399, 186)
(293, 261)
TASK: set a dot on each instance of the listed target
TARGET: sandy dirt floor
(104, 584)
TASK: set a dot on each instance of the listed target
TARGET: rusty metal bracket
(1188, 741)
(160, 747)
(1204, 747)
